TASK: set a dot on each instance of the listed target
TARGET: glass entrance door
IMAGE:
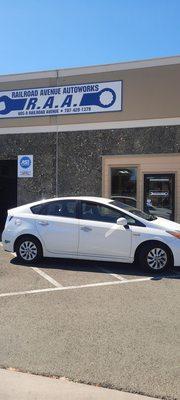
(159, 192)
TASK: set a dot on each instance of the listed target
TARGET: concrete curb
(19, 386)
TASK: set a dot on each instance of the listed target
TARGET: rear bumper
(8, 242)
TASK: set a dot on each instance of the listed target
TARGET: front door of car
(57, 226)
(99, 233)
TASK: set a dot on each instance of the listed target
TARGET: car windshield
(133, 210)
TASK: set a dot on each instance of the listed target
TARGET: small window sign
(159, 194)
(25, 166)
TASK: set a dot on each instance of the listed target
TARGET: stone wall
(80, 153)
(80, 157)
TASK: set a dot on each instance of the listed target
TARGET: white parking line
(91, 285)
(43, 274)
(46, 276)
(117, 276)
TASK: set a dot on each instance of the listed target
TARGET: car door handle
(86, 229)
(44, 223)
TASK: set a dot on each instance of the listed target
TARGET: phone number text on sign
(74, 99)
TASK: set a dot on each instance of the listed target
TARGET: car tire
(155, 257)
(28, 249)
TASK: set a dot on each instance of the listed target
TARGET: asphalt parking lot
(92, 322)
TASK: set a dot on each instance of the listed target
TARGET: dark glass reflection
(123, 185)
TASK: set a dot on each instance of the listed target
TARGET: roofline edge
(75, 71)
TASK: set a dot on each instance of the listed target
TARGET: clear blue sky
(48, 34)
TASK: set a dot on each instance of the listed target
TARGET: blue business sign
(25, 166)
(25, 162)
(62, 100)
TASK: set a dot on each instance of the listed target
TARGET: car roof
(86, 198)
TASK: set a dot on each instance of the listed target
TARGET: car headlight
(176, 234)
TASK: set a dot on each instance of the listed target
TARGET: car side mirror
(122, 221)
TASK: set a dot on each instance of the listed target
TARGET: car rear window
(58, 208)
(37, 209)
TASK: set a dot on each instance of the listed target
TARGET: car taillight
(8, 219)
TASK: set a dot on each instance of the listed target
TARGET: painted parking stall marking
(117, 276)
(119, 280)
(101, 284)
(91, 285)
(46, 276)
(43, 274)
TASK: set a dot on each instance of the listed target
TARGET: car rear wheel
(155, 257)
(28, 249)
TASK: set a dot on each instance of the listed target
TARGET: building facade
(111, 131)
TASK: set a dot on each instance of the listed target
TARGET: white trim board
(94, 69)
(91, 126)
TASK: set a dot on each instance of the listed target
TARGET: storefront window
(123, 185)
(159, 195)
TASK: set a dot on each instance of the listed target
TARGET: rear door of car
(58, 226)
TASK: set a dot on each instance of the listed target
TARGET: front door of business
(159, 199)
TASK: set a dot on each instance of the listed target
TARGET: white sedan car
(91, 228)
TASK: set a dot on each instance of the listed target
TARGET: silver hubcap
(28, 250)
(157, 258)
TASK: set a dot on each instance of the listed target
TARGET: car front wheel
(28, 249)
(155, 257)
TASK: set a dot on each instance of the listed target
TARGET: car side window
(39, 209)
(58, 208)
(99, 212)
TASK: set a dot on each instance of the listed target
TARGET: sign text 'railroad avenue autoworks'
(70, 99)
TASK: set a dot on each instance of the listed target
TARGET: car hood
(166, 224)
